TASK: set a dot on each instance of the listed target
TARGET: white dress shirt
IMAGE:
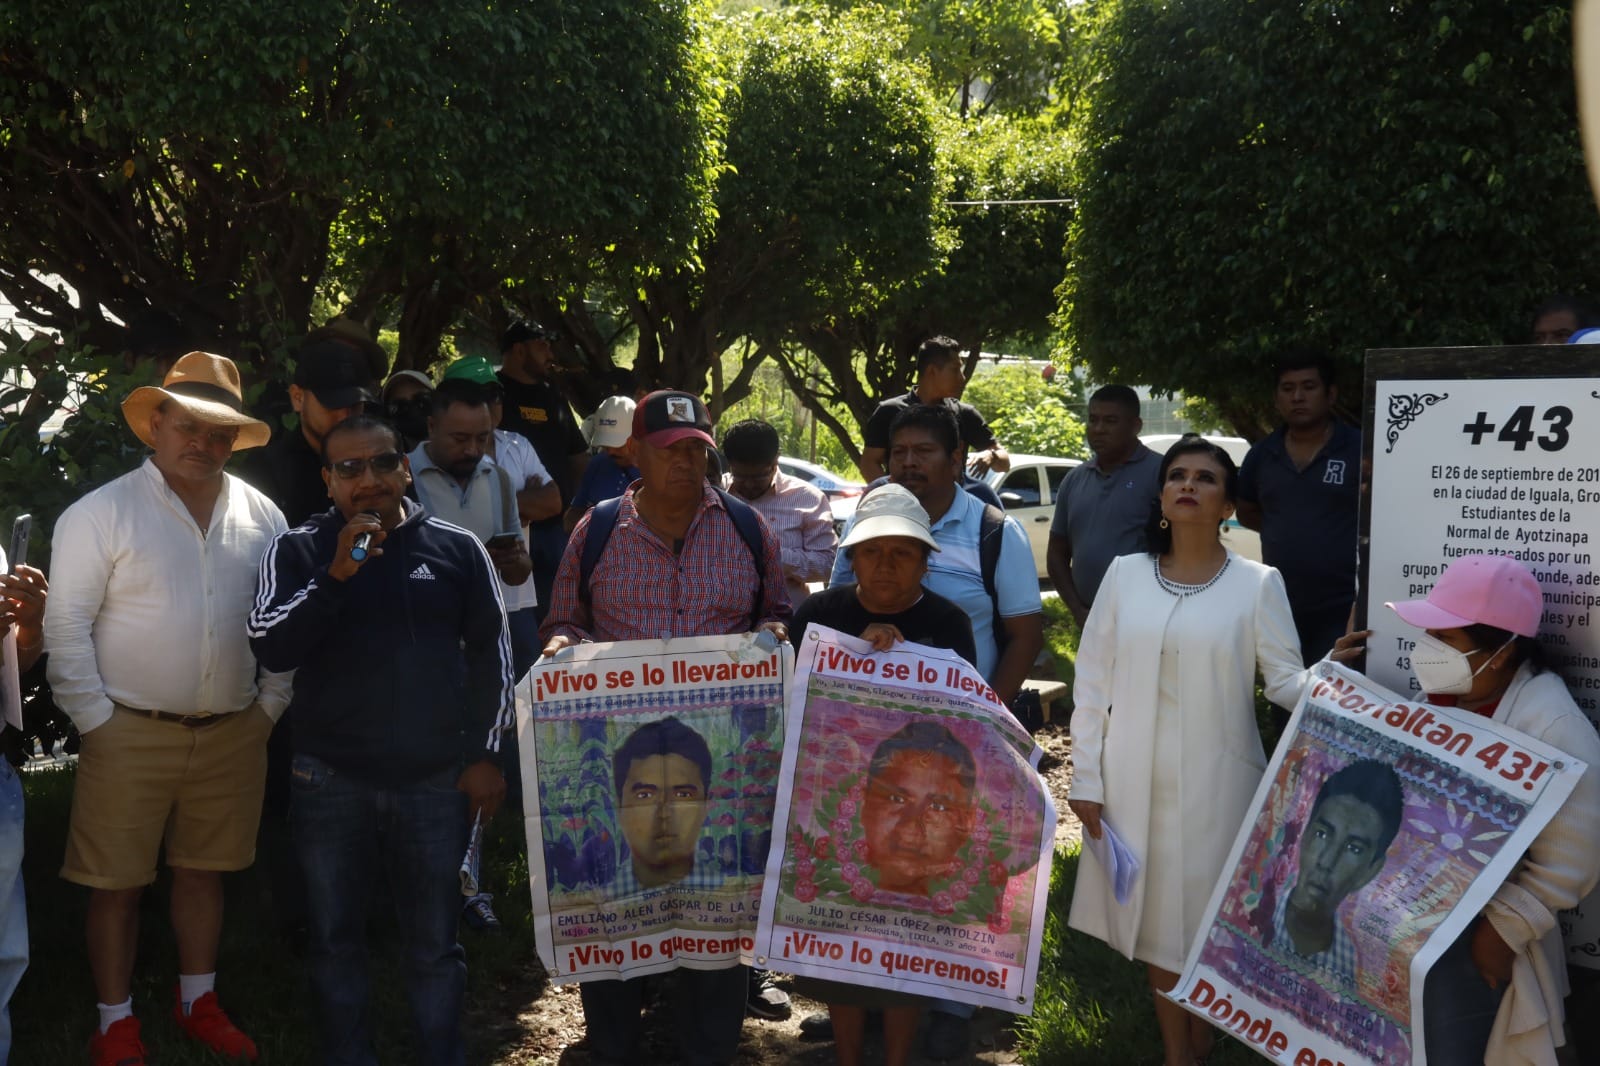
(146, 611)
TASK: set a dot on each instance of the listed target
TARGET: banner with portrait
(650, 771)
(914, 833)
(1380, 830)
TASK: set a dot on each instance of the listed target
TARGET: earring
(1164, 522)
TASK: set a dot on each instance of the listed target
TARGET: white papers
(471, 862)
(1115, 858)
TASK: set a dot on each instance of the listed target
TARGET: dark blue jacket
(404, 669)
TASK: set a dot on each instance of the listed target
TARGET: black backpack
(991, 535)
(603, 518)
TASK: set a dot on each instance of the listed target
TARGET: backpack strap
(602, 520)
(748, 523)
(991, 536)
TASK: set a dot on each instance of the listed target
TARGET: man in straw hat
(154, 576)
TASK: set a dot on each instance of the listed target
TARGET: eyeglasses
(350, 469)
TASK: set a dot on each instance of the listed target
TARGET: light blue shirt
(953, 573)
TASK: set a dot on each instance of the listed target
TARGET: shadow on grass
(1091, 1006)
(261, 979)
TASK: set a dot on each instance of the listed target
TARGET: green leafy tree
(830, 199)
(226, 163)
(984, 54)
(1029, 414)
(1254, 176)
(996, 283)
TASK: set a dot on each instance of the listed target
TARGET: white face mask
(1445, 671)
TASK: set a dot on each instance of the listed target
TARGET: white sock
(111, 1014)
(191, 986)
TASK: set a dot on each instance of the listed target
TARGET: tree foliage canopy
(1262, 174)
(205, 160)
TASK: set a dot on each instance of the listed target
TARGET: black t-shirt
(932, 620)
(539, 412)
(289, 473)
(974, 430)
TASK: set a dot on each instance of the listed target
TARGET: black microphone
(363, 541)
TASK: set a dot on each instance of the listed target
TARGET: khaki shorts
(141, 781)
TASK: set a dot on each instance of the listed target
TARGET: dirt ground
(548, 1031)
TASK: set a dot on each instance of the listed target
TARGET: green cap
(473, 368)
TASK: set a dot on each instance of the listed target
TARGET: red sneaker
(206, 1023)
(118, 1045)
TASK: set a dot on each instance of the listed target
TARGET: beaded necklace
(1178, 588)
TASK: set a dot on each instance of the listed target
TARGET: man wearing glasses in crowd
(393, 621)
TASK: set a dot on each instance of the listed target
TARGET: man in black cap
(332, 381)
(535, 408)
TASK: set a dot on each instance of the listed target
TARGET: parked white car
(843, 494)
(1028, 493)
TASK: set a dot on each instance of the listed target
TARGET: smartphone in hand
(21, 530)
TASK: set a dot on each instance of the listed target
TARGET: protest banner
(651, 769)
(914, 835)
(1316, 941)
(1493, 451)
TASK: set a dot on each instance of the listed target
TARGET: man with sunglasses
(393, 621)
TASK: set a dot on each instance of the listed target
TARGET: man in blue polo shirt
(924, 456)
(1300, 487)
(1104, 504)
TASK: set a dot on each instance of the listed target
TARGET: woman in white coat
(1164, 734)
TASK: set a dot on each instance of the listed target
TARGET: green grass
(1092, 1006)
(261, 981)
(1061, 639)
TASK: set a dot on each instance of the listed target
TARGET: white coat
(1113, 724)
(1560, 868)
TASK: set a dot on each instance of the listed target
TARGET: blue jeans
(13, 910)
(348, 832)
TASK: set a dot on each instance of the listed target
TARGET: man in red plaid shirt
(674, 565)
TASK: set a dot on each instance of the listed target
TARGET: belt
(193, 721)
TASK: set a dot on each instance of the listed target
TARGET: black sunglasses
(350, 469)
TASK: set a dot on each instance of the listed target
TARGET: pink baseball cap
(1491, 590)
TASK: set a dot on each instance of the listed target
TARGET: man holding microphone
(394, 624)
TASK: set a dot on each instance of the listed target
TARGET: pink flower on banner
(805, 869)
(997, 874)
(840, 826)
(858, 792)
(999, 922)
(822, 847)
(849, 871)
(805, 891)
(980, 832)
(971, 874)
(847, 808)
(960, 890)
(860, 848)
(797, 838)
(862, 890)
(980, 853)
(800, 850)
(943, 903)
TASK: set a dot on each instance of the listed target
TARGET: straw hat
(206, 386)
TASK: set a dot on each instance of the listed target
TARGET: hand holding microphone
(358, 542)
